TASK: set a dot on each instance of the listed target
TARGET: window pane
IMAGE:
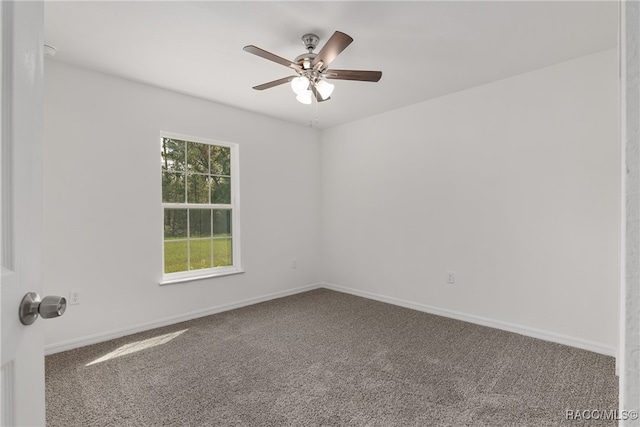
(197, 189)
(175, 224)
(198, 157)
(200, 222)
(172, 187)
(220, 160)
(175, 256)
(221, 222)
(200, 254)
(197, 175)
(220, 190)
(222, 253)
(172, 154)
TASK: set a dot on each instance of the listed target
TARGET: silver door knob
(31, 306)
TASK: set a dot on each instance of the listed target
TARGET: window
(200, 208)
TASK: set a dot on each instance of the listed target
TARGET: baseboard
(510, 327)
(492, 323)
(105, 336)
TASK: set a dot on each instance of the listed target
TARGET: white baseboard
(510, 327)
(497, 324)
(105, 336)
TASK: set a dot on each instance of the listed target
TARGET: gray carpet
(326, 358)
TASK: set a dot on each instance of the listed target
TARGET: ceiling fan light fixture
(300, 85)
(325, 89)
(304, 97)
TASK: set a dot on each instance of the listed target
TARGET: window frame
(234, 206)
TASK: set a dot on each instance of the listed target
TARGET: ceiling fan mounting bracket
(310, 41)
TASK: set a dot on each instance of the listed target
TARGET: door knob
(31, 306)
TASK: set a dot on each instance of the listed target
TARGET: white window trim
(236, 268)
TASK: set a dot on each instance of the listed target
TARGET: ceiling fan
(313, 70)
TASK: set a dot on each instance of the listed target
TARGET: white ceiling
(424, 49)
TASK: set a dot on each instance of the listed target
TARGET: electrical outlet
(451, 277)
(74, 297)
(294, 263)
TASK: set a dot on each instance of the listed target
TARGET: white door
(22, 366)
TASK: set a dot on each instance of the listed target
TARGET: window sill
(172, 281)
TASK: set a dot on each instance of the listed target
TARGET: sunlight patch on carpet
(138, 346)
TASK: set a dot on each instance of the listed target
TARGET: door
(22, 366)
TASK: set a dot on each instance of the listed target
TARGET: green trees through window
(197, 203)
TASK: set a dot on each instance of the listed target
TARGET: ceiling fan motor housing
(305, 60)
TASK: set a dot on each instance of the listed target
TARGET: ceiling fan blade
(317, 94)
(363, 76)
(274, 83)
(336, 44)
(270, 56)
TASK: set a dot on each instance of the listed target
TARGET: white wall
(102, 203)
(514, 186)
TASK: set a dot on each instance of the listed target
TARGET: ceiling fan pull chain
(317, 119)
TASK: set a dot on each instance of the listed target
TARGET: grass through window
(175, 254)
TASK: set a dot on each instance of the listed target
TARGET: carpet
(325, 358)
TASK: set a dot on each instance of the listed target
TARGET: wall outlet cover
(74, 297)
(451, 277)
